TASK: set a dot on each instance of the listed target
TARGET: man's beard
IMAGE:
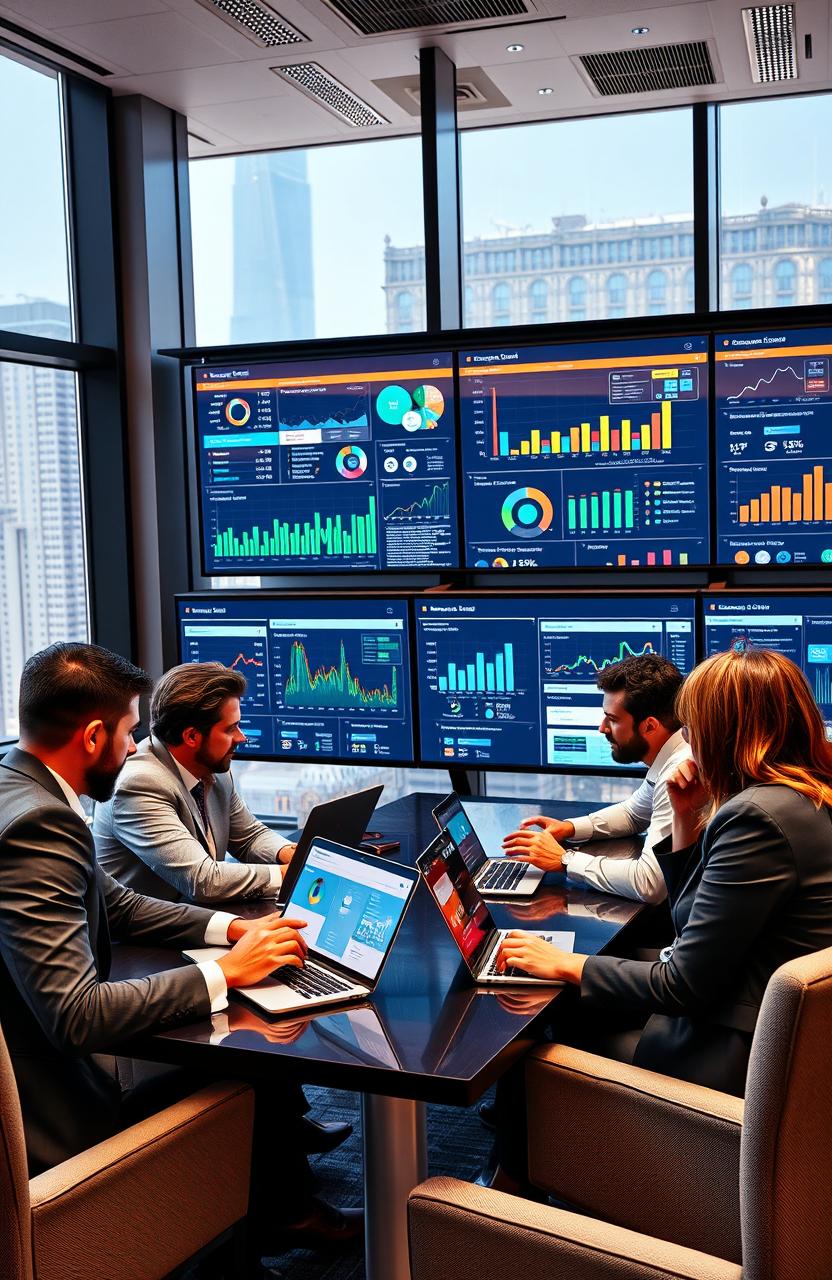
(101, 777)
(630, 752)
(211, 762)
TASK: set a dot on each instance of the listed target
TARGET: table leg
(395, 1160)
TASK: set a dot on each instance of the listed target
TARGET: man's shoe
(487, 1112)
(323, 1227)
(319, 1136)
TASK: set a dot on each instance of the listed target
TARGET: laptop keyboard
(511, 972)
(503, 874)
(311, 981)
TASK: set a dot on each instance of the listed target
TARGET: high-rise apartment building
(273, 277)
(43, 594)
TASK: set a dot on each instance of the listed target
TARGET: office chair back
(786, 1150)
(15, 1219)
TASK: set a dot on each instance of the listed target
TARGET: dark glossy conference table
(427, 1035)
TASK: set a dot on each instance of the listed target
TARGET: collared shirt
(648, 809)
(216, 932)
(189, 781)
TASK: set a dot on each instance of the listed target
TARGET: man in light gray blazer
(176, 813)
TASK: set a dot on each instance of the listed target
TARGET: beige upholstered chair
(696, 1183)
(133, 1207)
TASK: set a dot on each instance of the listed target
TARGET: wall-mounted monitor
(328, 679)
(774, 447)
(800, 626)
(595, 453)
(510, 681)
(327, 466)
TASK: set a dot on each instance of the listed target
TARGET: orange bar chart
(783, 504)
(586, 437)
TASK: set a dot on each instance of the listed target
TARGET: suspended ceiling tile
(270, 122)
(207, 86)
(154, 42)
(50, 14)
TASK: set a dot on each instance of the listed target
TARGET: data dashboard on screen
(774, 447)
(587, 454)
(326, 679)
(340, 464)
(510, 681)
(800, 626)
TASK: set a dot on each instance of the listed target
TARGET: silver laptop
(344, 819)
(494, 874)
(353, 904)
(472, 927)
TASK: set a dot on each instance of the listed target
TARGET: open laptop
(353, 904)
(344, 820)
(472, 927)
(495, 875)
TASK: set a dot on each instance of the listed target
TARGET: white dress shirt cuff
(216, 933)
(215, 982)
(584, 830)
(578, 863)
(275, 877)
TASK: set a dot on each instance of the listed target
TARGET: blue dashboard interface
(587, 454)
(774, 447)
(510, 681)
(327, 679)
(340, 464)
(798, 626)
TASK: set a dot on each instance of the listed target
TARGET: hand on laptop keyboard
(531, 954)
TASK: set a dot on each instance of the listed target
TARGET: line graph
(586, 664)
(247, 662)
(247, 641)
(435, 505)
(333, 686)
(752, 388)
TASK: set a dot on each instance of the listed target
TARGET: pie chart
(527, 513)
(238, 412)
(351, 462)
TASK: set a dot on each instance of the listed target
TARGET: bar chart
(626, 436)
(321, 534)
(806, 502)
(494, 674)
(610, 510)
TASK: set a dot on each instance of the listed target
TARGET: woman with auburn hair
(749, 876)
(748, 869)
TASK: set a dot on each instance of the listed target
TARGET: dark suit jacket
(58, 912)
(752, 893)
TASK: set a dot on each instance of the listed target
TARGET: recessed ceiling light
(640, 31)
(545, 92)
(515, 48)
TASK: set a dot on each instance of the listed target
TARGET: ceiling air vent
(650, 70)
(330, 93)
(257, 20)
(769, 34)
(375, 17)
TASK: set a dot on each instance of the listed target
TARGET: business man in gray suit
(59, 911)
(175, 812)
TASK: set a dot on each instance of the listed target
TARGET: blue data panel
(510, 682)
(587, 454)
(774, 447)
(327, 679)
(341, 464)
(798, 626)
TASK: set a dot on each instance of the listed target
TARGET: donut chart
(351, 462)
(316, 891)
(527, 513)
(237, 412)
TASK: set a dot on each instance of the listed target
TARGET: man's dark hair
(67, 685)
(190, 697)
(649, 683)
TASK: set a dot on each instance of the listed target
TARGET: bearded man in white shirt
(640, 724)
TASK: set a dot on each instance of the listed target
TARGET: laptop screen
(451, 817)
(449, 881)
(352, 905)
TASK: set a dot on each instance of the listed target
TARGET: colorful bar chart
(606, 509)
(319, 536)
(663, 557)
(586, 437)
(782, 504)
(481, 675)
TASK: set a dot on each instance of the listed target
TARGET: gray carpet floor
(458, 1144)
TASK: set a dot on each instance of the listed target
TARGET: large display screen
(774, 447)
(509, 681)
(587, 454)
(341, 464)
(327, 679)
(798, 626)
